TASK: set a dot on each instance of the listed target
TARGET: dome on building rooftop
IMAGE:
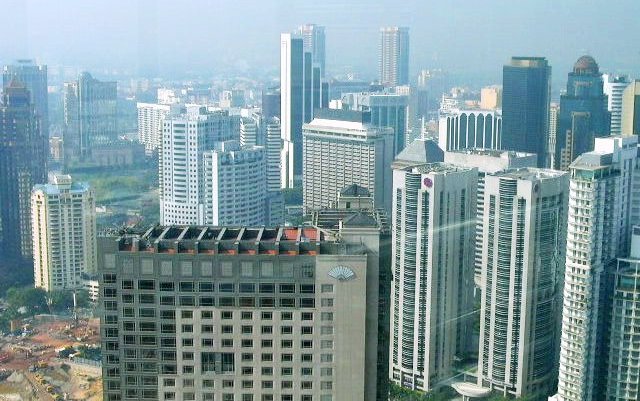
(586, 65)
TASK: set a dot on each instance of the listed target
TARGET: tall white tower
(64, 233)
(433, 217)
(597, 233)
(524, 223)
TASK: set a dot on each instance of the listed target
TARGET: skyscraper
(249, 134)
(526, 85)
(34, 78)
(21, 167)
(64, 233)
(524, 237)
(185, 138)
(271, 103)
(314, 43)
(394, 56)
(242, 313)
(300, 95)
(432, 264)
(150, 117)
(614, 86)
(554, 113)
(342, 148)
(90, 116)
(234, 182)
(387, 108)
(272, 149)
(486, 161)
(583, 113)
(597, 233)
(631, 109)
(622, 380)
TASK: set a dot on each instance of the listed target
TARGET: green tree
(33, 299)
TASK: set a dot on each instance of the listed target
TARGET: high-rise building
(150, 117)
(314, 43)
(433, 224)
(622, 382)
(273, 144)
(491, 97)
(465, 129)
(631, 109)
(524, 243)
(394, 56)
(64, 233)
(583, 113)
(342, 148)
(614, 86)
(271, 103)
(526, 85)
(185, 138)
(90, 116)
(249, 135)
(388, 109)
(34, 78)
(554, 113)
(21, 167)
(300, 95)
(486, 161)
(242, 313)
(234, 182)
(597, 233)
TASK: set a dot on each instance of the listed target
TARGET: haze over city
(173, 38)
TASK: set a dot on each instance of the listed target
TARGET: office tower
(465, 129)
(64, 233)
(597, 233)
(300, 95)
(491, 97)
(34, 78)
(21, 167)
(248, 132)
(185, 138)
(524, 243)
(314, 43)
(354, 207)
(486, 161)
(622, 378)
(150, 117)
(234, 181)
(431, 300)
(554, 113)
(90, 116)
(526, 85)
(394, 56)
(387, 108)
(272, 148)
(583, 113)
(167, 96)
(241, 313)
(614, 86)
(271, 103)
(631, 109)
(341, 148)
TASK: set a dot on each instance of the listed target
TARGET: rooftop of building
(493, 153)
(592, 160)
(59, 183)
(287, 241)
(586, 65)
(530, 174)
(438, 168)
(334, 218)
(418, 152)
(355, 190)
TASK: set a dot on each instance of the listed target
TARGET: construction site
(51, 358)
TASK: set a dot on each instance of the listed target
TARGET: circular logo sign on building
(427, 182)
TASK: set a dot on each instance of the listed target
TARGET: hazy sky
(460, 35)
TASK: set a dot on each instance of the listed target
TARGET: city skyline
(350, 41)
